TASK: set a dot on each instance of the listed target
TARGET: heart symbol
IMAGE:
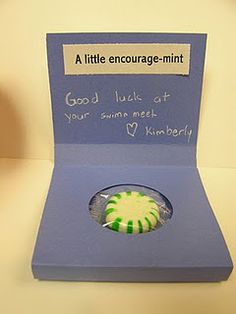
(132, 128)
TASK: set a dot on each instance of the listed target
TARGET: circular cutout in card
(132, 209)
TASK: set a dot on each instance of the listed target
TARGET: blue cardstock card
(126, 111)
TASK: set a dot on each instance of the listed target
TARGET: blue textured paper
(90, 156)
(171, 100)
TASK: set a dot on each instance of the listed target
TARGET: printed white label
(157, 58)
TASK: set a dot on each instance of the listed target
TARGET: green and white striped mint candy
(131, 212)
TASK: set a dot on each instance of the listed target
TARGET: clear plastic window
(132, 209)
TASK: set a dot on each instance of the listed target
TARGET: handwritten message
(81, 109)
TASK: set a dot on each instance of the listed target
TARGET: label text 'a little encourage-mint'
(147, 58)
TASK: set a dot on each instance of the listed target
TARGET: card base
(71, 245)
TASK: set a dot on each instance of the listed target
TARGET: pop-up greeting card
(126, 202)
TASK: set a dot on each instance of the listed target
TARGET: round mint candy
(131, 212)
